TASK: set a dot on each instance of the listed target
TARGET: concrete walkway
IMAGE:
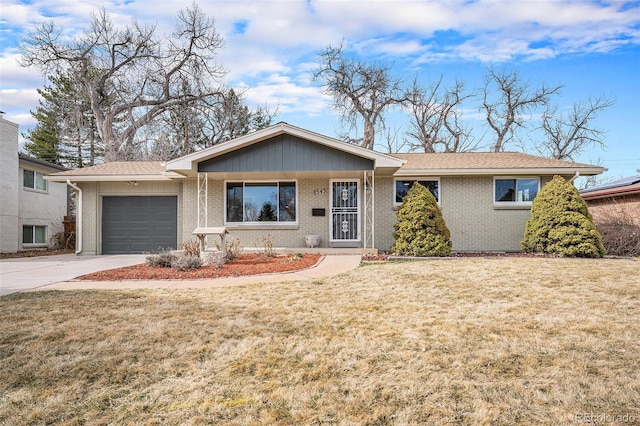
(27, 273)
(329, 266)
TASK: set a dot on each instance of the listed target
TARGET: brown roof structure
(484, 160)
(118, 170)
(460, 163)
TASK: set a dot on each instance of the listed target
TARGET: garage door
(138, 224)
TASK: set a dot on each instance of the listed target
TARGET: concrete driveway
(28, 273)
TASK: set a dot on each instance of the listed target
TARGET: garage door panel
(139, 246)
(138, 224)
(140, 229)
(120, 246)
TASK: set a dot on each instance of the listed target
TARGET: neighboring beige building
(291, 183)
(32, 210)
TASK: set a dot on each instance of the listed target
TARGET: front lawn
(456, 341)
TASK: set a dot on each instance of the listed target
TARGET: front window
(403, 186)
(32, 234)
(255, 202)
(34, 180)
(516, 190)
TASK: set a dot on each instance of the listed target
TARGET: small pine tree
(420, 229)
(561, 224)
(267, 213)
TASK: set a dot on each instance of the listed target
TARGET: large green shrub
(420, 229)
(561, 224)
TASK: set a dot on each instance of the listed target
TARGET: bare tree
(392, 144)
(190, 127)
(186, 128)
(569, 135)
(131, 75)
(426, 121)
(459, 138)
(360, 91)
(514, 99)
(231, 118)
(435, 118)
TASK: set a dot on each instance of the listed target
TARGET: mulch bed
(246, 264)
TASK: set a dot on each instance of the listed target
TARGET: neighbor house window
(402, 187)
(255, 202)
(34, 180)
(32, 234)
(516, 190)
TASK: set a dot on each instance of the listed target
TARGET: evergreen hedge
(561, 224)
(420, 229)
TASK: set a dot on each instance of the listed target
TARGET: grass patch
(470, 341)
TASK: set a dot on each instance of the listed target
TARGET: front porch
(340, 212)
(287, 184)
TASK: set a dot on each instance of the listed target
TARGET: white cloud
(18, 94)
(279, 90)
(270, 46)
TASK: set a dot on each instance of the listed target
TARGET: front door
(345, 214)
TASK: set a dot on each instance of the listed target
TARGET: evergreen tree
(421, 229)
(561, 224)
(65, 133)
(43, 141)
(267, 213)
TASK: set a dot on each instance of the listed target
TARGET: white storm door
(345, 211)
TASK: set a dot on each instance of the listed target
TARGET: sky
(591, 48)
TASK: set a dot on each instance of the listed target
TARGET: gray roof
(632, 180)
(24, 157)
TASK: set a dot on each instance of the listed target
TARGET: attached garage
(139, 224)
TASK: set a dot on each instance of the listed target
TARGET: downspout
(576, 176)
(78, 217)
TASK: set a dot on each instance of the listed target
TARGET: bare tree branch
(435, 118)
(360, 91)
(569, 135)
(514, 98)
(132, 76)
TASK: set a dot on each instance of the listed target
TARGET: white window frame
(35, 180)
(262, 224)
(33, 236)
(417, 178)
(513, 204)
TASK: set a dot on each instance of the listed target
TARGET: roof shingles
(481, 160)
(119, 168)
(461, 161)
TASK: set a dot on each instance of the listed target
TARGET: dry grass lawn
(497, 341)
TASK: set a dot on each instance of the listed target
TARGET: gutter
(576, 176)
(78, 217)
(586, 171)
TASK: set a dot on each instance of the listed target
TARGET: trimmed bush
(561, 224)
(186, 263)
(163, 258)
(420, 229)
